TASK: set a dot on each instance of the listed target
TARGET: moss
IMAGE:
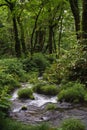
(51, 106)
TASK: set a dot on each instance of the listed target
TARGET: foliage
(74, 93)
(47, 89)
(25, 93)
(8, 124)
(7, 79)
(13, 67)
(4, 100)
(33, 77)
(72, 124)
(51, 58)
(36, 63)
(79, 71)
(60, 69)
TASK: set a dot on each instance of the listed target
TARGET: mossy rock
(24, 108)
(51, 106)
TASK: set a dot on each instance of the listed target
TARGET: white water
(39, 100)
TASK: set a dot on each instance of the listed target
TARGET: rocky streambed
(36, 111)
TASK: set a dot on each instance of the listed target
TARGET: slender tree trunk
(35, 25)
(54, 41)
(17, 41)
(84, 24)
(22, 36)
(76, 14)
(50, 39)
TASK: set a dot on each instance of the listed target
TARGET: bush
(43, 88)
(9, 80)
(36, 63)
(13, 67)
(72, 124)
(79, 71)
(73, 94)
(51, 58)
(33, 77)
(26, 93)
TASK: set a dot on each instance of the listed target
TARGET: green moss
(51, 106)
(26, 93)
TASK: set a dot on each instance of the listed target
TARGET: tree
(80, 26)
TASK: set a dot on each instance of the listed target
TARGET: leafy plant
(72, 124)
(36, 63)
(8, 79)
(46, 89)
(26, 93)
(74, 93)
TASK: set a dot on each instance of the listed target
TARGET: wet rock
(24, 108)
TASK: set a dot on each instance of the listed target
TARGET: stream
(36, 111)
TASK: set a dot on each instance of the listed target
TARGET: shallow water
(36, 109)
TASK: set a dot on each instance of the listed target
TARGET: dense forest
(43, 64)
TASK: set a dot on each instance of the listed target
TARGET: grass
(8, 124)
(72, 92)
(25, 93)
(67, 124)
(47, 89)
(72, 124)
(51, 106)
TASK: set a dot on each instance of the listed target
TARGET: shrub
(72, 94)
(79, 71)
(49, 90)
(16, 69)
(13, 67)
(72, 124)
(4, 100)
(51, 58)
(36, 63)
(26, 93)
(8, 79)
(43, 88)
(33, 77)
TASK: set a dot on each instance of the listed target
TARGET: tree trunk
(76, 14)
(22, 36)
(84, 24)
(50, 39)
(17, 41)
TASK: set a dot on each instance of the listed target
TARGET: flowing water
(36, 111)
